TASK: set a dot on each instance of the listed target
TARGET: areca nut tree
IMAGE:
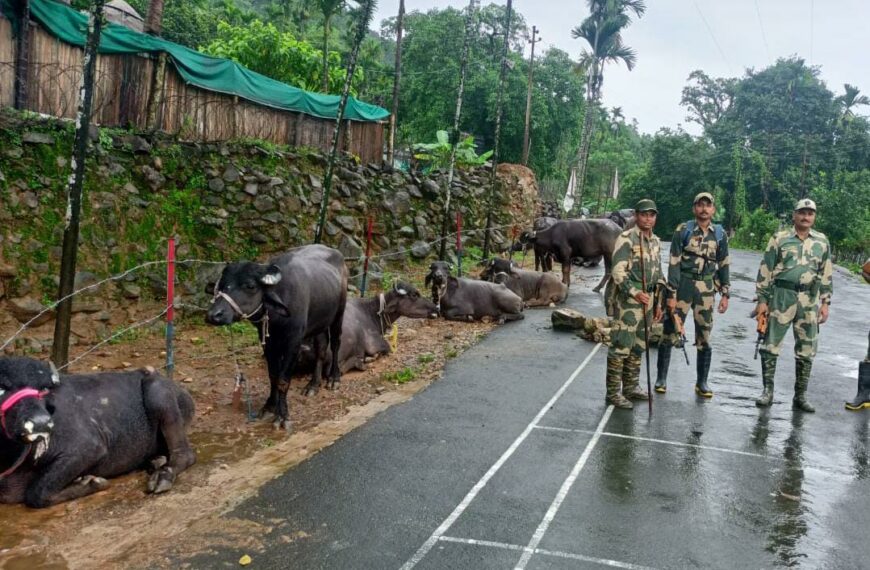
(328, 8)
(602, 31)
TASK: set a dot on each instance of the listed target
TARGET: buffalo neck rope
(265, 319)
(5, 407)
(385, 321)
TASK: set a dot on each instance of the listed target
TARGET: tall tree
(602, 30)
(154, 18)
(851, 99)
(394, 110)
(328, 8)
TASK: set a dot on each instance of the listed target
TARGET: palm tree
(328, 8)
(850, 99)
(602, 30)
(154, 17)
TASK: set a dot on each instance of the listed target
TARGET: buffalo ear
(209, 287)
(55, 375)
(272, 297)
(428, 279)
(272, 277)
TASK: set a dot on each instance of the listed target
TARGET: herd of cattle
(64, 435)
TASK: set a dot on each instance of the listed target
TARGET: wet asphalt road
(513, 460)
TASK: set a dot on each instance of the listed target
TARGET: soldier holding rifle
(794, 289)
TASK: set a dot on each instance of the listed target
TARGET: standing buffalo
(536, 289)
(623, 218)
(296, 295)
(543, 258)
(567, 239)
(63, 435)
(461, 299)
(367, 320)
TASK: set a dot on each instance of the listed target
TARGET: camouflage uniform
(627, 342)
(794, 277)
(695, 273)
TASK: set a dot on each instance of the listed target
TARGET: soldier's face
(704, 209)
(646, 220)
(804, 219)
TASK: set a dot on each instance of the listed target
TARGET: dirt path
(235, 456)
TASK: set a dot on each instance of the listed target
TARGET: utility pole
(60, 347)
(529, 98)
(454, 135)
(494, 177)
(391, 143)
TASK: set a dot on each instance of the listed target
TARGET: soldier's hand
(723, 304)
(642, 298)
(761, 309)
(823, 312)
(672, 304)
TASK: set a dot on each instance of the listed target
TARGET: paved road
(513, 460)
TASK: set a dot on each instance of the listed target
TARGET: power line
(763, 35)
(710, 31)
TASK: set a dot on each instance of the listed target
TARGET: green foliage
(437, 155)
(401, 376)
(426, 358)
(756, 230)
(265, 49)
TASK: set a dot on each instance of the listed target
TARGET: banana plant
(437, 155)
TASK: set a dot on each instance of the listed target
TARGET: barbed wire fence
(413, 272)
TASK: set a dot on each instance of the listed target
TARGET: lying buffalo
(567, 239)
(63, 435)
(461, 299)
(296, 295)
(536, 289)
(367, 320)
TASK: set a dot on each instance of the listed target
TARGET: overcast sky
(722, 37)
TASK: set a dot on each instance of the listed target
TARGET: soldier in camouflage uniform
(627, 342)
(794, 288)
(698, 268)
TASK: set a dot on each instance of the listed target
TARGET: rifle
(646, 328)
(761, 329)
(678, 325)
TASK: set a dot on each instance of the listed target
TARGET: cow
(296, 295)
(536, 289)
(567, 239)
(64, 435)
(460, 299)
(367, 320)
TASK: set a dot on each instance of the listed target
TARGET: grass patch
(402, 376)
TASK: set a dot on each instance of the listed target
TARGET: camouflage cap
(805, 204)
(702, 196)
(646, 205)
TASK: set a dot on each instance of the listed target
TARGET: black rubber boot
(768, 370)
(704, 358)
(801, 382)
(862, 399)
(663, 363)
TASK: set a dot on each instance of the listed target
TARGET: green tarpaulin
(204, 71)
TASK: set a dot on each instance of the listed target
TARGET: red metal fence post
(362, 289)
(170, 307)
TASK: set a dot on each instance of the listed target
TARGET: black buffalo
(460, 299)
(535, 288)
(71, 432)
(366, 321)
(567, 239)
(297, 295)
(543, 258)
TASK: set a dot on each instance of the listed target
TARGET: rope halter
(218, 294)
(8, 404)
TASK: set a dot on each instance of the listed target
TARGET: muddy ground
(124, 526)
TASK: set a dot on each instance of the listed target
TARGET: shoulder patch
(681, 227)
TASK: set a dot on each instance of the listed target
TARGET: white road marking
(563, 492)
(554, 553)
(448, 522)
(823, 470)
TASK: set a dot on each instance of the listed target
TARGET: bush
(756, 230)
